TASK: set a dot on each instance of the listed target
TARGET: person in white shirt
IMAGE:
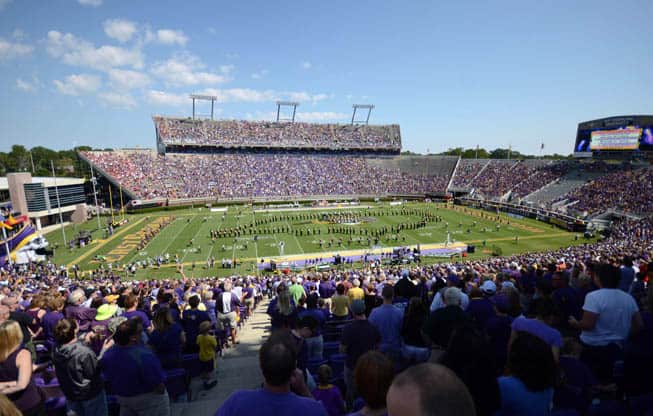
(609, 317)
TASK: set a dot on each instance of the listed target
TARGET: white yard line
(194, 237)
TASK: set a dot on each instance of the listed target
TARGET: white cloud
(163, 98)
(185, 69)
(3, 4)
(119, 29)
(211, 30)
(260, 74)
(307, 65)
(10, 50)
(125, 79)
(78, 84)
(118, 100)
(93, 3)
(28, 86)
(78, 52)
(171, 37)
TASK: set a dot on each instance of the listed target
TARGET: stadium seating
(173, 176)
(176, 133)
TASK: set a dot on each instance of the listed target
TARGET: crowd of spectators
(150, 176)
(241, 133)
(539, 178)
(514, 335)
(467, 170)
(626, 190)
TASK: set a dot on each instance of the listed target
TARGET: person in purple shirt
(191, 320)
(51, 317)
(83, 315)
(131, 303)
(480, 307)
(134, 374)
(284, 391)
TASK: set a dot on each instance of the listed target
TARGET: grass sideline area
(465, 225)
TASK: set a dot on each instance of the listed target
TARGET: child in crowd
(207, 345)
(327, 393)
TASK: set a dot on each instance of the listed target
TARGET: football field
(247, 236)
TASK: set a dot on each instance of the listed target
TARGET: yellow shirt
(340, 305)
(355, 293)
(207, 344)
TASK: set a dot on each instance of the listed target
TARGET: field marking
(216, 240)
(294, 236)
(107, 241)
(422, 245)
(194, 237)
(172, 239)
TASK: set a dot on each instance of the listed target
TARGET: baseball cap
(357, 307)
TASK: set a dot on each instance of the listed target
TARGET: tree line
(37, 161)
(498, 153)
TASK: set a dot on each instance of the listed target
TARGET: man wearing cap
(358, 337)
(481, 308)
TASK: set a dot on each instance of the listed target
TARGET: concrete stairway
(237, 369)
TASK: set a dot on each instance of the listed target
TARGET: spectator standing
(82, 314)
(609, 316)
(227, 305)
(167, 339)
(134, 374)
(528, 390)
(207, 344)
(358, 337)
(16, 370)
(78, 371)
(191, 320)
(388, 320)
(340, 303)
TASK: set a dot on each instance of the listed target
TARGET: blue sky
(458, 73)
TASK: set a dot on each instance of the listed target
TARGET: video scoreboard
(626, 133)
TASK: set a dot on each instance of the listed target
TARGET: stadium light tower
(211, 98)
(292, 104)
(367, 107)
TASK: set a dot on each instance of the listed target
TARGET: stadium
(256, 262)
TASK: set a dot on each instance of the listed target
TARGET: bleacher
(188, 135)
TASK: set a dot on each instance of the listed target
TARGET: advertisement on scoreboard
(627, 134)
(619, 139)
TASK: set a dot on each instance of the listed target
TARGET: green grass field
(196, 223)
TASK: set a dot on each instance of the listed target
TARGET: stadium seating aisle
(237, 369)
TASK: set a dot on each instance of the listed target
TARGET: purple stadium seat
(337, 363)
(55, 406)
